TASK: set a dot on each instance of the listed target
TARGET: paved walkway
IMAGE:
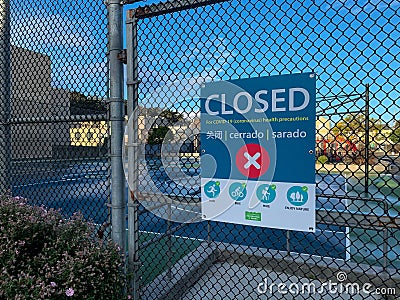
(224, 281)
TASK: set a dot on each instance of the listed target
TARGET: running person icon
(212, 189)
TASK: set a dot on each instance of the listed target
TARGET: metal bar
(169, 242)
(366, 183)
(348, 197)
(337, 113)
(170, 7)
(340, 105)
(131, 1)
(288, 241)
(357, 220)
(52, 160)
(208, 231)
(337, 96)
(385, 238)
(114, 9)
(133, 166)
(187, 200)
(5, 97)
(60, 119)
(343, 102)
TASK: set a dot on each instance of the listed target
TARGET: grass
(154, 257)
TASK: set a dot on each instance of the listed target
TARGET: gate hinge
(122, 56)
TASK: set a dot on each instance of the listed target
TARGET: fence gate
(174, 49)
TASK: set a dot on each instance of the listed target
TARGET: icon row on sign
(266, 193)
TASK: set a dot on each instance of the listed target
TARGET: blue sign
(257, 142)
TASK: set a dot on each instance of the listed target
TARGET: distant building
(89, 134)
(32, 96)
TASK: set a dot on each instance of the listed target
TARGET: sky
(347, 43)
(73, 33)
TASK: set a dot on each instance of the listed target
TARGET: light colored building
(89, 134)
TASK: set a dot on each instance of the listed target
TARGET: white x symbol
(252, 160)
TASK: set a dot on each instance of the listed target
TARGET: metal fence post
(366, 179)
(169, 241)
(5, 97)
(133, 164)
(114, 9)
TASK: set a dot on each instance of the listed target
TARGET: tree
(164, 120)
(158, 135)
(84, 105)
(171, 116)
(353, 126)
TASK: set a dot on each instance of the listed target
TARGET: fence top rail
(162, 8)
(60, 119)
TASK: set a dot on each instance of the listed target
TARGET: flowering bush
(43, 256)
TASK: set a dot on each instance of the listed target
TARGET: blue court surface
(83, 186)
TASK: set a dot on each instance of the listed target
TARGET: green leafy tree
(171, 116)
(84, 105)
(158, 135)
(164, 120)
(352, 126)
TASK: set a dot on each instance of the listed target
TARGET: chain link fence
(55, 137)
(55, 109)
(175, 47)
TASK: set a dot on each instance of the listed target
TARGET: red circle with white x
(252, 160)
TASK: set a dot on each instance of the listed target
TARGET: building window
(89, 136)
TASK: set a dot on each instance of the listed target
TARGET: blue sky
(72, 33)
(348, 43)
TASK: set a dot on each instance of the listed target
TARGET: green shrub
(44, 256)
(322, 159)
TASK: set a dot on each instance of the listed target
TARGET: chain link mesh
(59, 144)
(59, 122)
(353, 48)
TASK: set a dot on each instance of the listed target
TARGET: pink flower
(53, 284)
(69, 292)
